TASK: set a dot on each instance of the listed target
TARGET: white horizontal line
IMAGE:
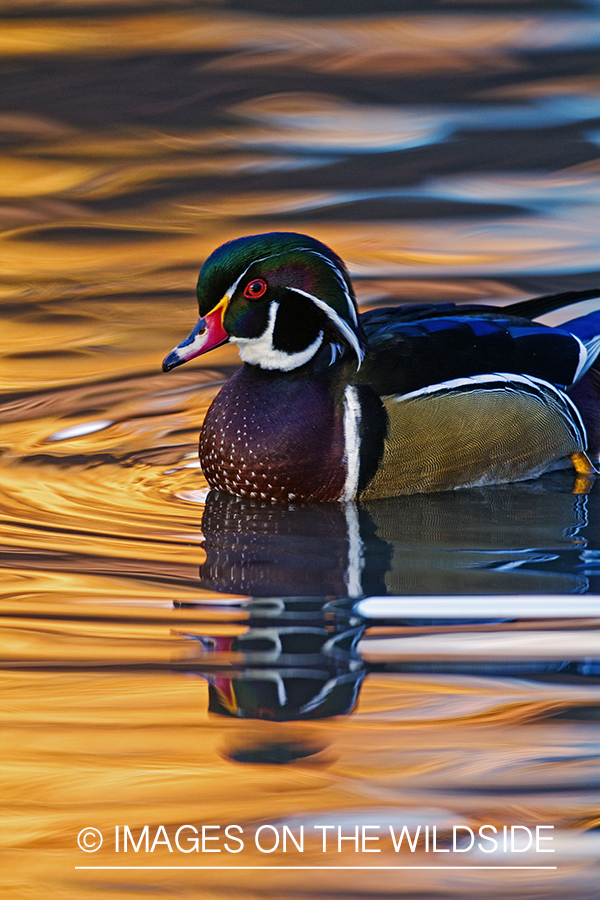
(341, 868)
(480, 606)
(516, 646)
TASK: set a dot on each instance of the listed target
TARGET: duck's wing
(487, 429)
(585, 327)
(416, 346)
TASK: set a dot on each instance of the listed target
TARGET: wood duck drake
(333, 406)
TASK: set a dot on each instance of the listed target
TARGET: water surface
(176, 657)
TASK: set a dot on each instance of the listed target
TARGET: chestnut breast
(275, 435)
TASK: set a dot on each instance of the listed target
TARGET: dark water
(447, 151)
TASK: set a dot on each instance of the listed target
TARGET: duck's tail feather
(539, 306)
(587, 329)
(586, 396)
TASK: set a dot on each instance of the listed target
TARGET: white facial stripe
(351, 442)
(337, 321)
(343, 285)
(261, 352)
(250, 348)
(230, 291)
(229, 294)
(340, 278)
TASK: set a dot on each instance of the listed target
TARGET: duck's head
(281, 297)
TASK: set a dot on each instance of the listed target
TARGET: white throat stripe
(260, 351)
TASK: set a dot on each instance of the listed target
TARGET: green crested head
(227, 262)
(285, 296)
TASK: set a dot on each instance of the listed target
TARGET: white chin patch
(261, 352)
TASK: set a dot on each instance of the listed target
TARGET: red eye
(255, 289)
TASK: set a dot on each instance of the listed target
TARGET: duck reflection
(518, 538)
(263, 549)
(299, 658)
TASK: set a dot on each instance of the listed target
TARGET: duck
(331, 405)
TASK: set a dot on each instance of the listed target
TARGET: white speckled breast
(275, 437)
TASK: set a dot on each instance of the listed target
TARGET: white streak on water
(83, 428)
(519, 606)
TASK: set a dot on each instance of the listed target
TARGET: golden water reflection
(449, 153)
(165, 762)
